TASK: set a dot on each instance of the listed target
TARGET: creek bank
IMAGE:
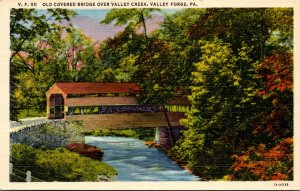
(56, 152)
(59, 164)
(168, 152)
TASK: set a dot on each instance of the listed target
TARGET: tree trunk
(144, 24)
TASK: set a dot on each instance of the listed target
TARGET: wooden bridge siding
(126, 120)
(91, 101)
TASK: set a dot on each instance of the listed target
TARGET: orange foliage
(276, 72)
(262, 164)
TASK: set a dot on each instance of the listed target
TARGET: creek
(135, 161)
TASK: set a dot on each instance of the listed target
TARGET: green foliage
(65, 129)
(272, 159)
(175, 27)
(132, 17)
(31, 113)
(58, 164)
(127, 69)
(216, 121)
(175, 31)
(237, 64)
(156, 72)
(73, 58)
(27, 24)
(48, 58)
(26, 27)
(29, 92)
(145, 134)
(157, 65)
(231, 111)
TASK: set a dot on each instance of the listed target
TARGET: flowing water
(134, 161)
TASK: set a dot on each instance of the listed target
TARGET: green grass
(145, 134)
(32, 113)
(56, 165)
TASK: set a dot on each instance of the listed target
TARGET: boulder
(86, 150)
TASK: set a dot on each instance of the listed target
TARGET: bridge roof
(96, 87)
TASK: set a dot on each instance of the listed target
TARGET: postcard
(149, 95)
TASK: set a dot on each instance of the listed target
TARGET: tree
(272, 157)
(27, 25)
(73, 56)
(175, 30)
(132, 17)
(156, 73)
(260, 163)
(169, 57)
(176, 26)
(127, 69)
(218, 118)
(125, 44)
(29, 93)
(241, 93)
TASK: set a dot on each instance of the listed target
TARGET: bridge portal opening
(56, 106)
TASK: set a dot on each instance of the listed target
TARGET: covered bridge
(65, 98)
(83, 100)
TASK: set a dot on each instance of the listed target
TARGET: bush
(263, 164)
(23, 158)
(57, 165)
(23, 114)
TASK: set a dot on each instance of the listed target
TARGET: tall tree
(272, 158)
(156, 72)
(218, 115)
(133, 18)
(26, 26)
(175, 30)
(226, 104)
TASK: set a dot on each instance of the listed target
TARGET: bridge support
(165, 139)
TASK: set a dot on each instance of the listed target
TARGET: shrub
(263, 164)
(58, 164)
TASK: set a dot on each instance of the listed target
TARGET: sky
(99, 14)
(89, 21)
(92, 13)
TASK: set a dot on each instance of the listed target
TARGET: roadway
(22, 123)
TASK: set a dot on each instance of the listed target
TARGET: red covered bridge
(110, 105)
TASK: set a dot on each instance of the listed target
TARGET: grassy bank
(56, 165)
(145, 134)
